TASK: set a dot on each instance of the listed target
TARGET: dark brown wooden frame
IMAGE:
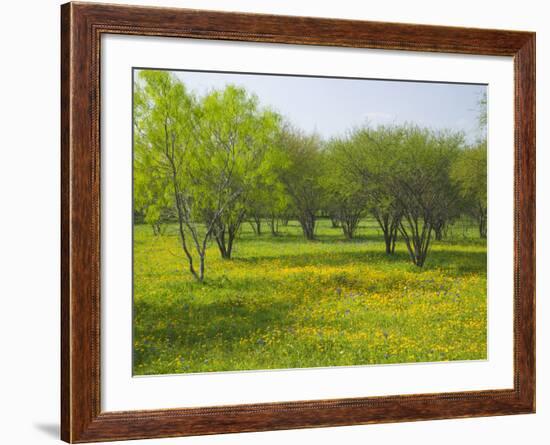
(82, 25)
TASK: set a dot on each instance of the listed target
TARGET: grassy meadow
(284, 302)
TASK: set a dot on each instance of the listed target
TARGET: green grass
(283, 302)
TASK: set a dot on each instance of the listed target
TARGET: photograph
(279, 219)
(286, 222)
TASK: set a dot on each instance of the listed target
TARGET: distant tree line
(215, 162)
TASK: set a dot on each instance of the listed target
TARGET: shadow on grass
(455, 262)
(298, 238)
(198, 325)
(292, 234)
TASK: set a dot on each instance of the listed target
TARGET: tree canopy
(211, 163)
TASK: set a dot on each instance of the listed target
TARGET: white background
(29, 226)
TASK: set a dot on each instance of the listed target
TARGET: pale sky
(331, 106)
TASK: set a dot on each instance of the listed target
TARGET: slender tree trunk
(388, 241)
(169, 152)
(185, 249)
(201, 267)
(225, 234)
(156, 228)
(483, 228)
(347, 231)
(438, 230)
(256, 224)
(230, 245)
(219, 236)
(307, 221)
(417, 239)
(349, 223)
(183, 241)
(389, 225)
(225, 249)
(393, 236)
(482, 222)
(274, 225)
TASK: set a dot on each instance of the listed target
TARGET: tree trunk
(393, 237)
(349, 223)
(274, 225)
(388, 241)
(220, 241)
(482, 224)
(256, 224)
(307, 221)
(201, 268)
(183, 239)
(348, 233)
(258, 227)
(438, 231)
(390, 238)
(389, 225)
(225, 234)
(417, 239)
(156, 228)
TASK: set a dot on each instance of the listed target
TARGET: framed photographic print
(275, 222)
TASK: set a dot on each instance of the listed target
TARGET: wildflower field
(285, 302)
